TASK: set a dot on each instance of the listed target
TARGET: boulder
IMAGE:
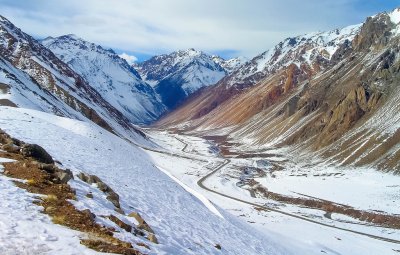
(103, 187)
(120, 223)
(36, 152)
(137, 217)
(49, 168)
(10, 147)
(64, 175)
(89, 214)
(152, 238)
(114, 199)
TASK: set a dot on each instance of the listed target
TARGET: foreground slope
(332, 95)
(111, 76)
(182, 223)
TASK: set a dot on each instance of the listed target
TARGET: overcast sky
(147, 27)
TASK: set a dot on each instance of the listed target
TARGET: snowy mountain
(111, 76)
(229, 65)
(317, 94)
(310, 53)
(181, 73)
(33, 77)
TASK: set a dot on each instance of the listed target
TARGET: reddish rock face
(331, 105)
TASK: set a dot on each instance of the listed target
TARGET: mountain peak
(395, 16)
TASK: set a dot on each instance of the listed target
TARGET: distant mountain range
(332, 95)
(177, 75)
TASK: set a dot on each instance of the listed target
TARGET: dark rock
(64, 175)
(37, 152)
(120, 223)
(49, 168)
(89, 214)
(104, 187)
(114, 199)
(10, 147)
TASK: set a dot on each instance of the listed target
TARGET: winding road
(227, 161)
(201, 181)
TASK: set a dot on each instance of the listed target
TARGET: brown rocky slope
(344, 109)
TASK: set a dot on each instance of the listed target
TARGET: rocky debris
(10, 147)
(142, 223)
(49, 168)
(152, 238)
(50, 181)
(37, 152)
(60, 175)
(89, 195)
(120, 223)
(64, 175)
(9, 144)
(218, 246)
(112, 196)
(89, 214)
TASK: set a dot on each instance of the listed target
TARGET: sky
(143, 28)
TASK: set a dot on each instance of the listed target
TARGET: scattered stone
(84, 177)
(17, 142)
(89, 195)
(103, 187)
(218, 246)
(114, 199)
(142, 223)
(146, 227)
(152, 238)
(10, 147)
(119, 210)
(120, 223)
(89, 214)
(137, 217)
(36, 152)
(64, 175)
(50, 168)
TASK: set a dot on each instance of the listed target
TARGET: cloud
(159, 26)
(129, 58)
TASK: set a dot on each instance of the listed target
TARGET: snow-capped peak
(303, 49)
(395, 16)
(110, 75)
(229, 65)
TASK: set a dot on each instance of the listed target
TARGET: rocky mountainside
(230, 65)
(330, 95)
(181, 73)
(33, 77)
(111, 76)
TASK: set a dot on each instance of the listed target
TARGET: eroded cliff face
(345, 109)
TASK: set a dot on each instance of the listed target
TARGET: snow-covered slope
(33, 74)
(230, 65)
(181, 73)
(311, 51)
(111, 76)
(181, 222)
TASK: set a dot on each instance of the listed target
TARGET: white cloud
(129, 58)
(158, 26)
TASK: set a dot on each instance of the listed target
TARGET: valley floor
(363, 189)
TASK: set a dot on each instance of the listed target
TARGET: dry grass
(56, 205)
